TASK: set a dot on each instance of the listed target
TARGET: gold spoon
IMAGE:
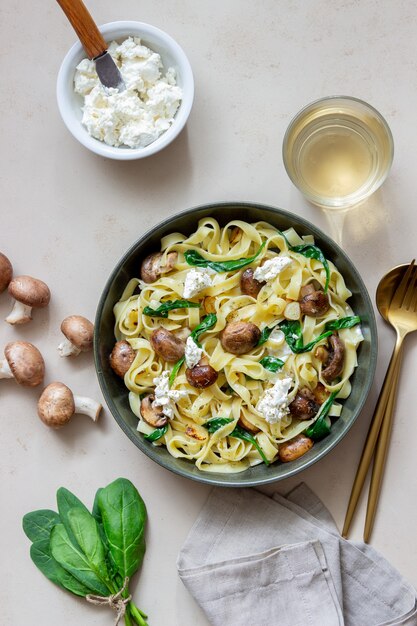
(388, 285)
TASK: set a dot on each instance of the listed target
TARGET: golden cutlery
(397, 314)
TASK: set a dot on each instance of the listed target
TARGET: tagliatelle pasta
(221, 427)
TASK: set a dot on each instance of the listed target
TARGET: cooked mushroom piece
(78, 332)
(249, 285)
(313, 301)
(58, 404)
(121, 357)
(152, 414)
(294, 448)
(152, 267)
(248, 425)
(304, 405)
(6, 272)
(240, 337)
(167, 345)
(334, 363)
(29, 293)
(24, 363)
(201, 375)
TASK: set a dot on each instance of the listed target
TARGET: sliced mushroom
(167, 345)
(247, 425)
(121, 357)
(58, 404)
(313, 301)
(6, 272)
(294, 448)
(249, 285)
(334, 363)
(152, 267)
(201, 375)
(29, 293)
(24, 363)
(152, 414)
(240, 337)
(79, 334)
(304, 405)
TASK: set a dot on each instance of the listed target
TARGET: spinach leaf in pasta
(321, 427)
(294, 335)
(169, 305)
(265, 333)
(313, 252)
(271, 363)
(343, 322)
(175, 370)
(156, 434)
(193, 257)
(216, 423)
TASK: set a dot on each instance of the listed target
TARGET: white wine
(338, 151)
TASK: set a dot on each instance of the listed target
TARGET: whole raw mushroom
(58, 404)
(79, 334)
(6, 272)
(24, 363)
(29, 293)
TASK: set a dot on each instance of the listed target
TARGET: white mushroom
(29, 293)
(58, 404)
(24, 363)
(79, 333)
(6, 272)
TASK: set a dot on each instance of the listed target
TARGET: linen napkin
(255, 559)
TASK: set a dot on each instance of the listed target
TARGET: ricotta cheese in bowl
(137, 116)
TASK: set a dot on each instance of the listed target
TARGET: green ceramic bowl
(116, 394)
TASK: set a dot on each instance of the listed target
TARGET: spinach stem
(137, 614)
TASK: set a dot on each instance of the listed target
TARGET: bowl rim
(119, 153)
(206, 477)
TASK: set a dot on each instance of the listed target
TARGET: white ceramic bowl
(172, 55)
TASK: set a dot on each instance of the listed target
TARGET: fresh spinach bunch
(93, 555)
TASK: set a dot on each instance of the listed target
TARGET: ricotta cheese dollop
(196, 280)
(271, 268)
(164, 396)
(274, 403)
(139, 115)
(192, 353)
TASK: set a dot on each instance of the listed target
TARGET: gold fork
(403, 317)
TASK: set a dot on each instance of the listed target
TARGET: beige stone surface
(67, 216)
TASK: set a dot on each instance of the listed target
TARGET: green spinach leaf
(321, 428)
(216, 422)
(271, 363)
(175, 370)
(193, 257)
(294, 336)
(313, 252)
(265, 334)
(343, 322)
(37, 525)
(169, 305)
(124, 517)
(67, 501)
(87, 534)
(40, 553)
(72, 559)
(156, 434)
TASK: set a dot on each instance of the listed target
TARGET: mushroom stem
(87, 406)
(20, 314)
(5, 371)
(67, 348)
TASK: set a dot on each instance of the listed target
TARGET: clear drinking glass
(337, 151)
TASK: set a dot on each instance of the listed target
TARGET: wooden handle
(84, 26)
(372, 437)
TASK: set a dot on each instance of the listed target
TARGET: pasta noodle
(242, 379)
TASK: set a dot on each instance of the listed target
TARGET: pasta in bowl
(237, 344)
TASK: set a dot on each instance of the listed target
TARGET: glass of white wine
(337, 151)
